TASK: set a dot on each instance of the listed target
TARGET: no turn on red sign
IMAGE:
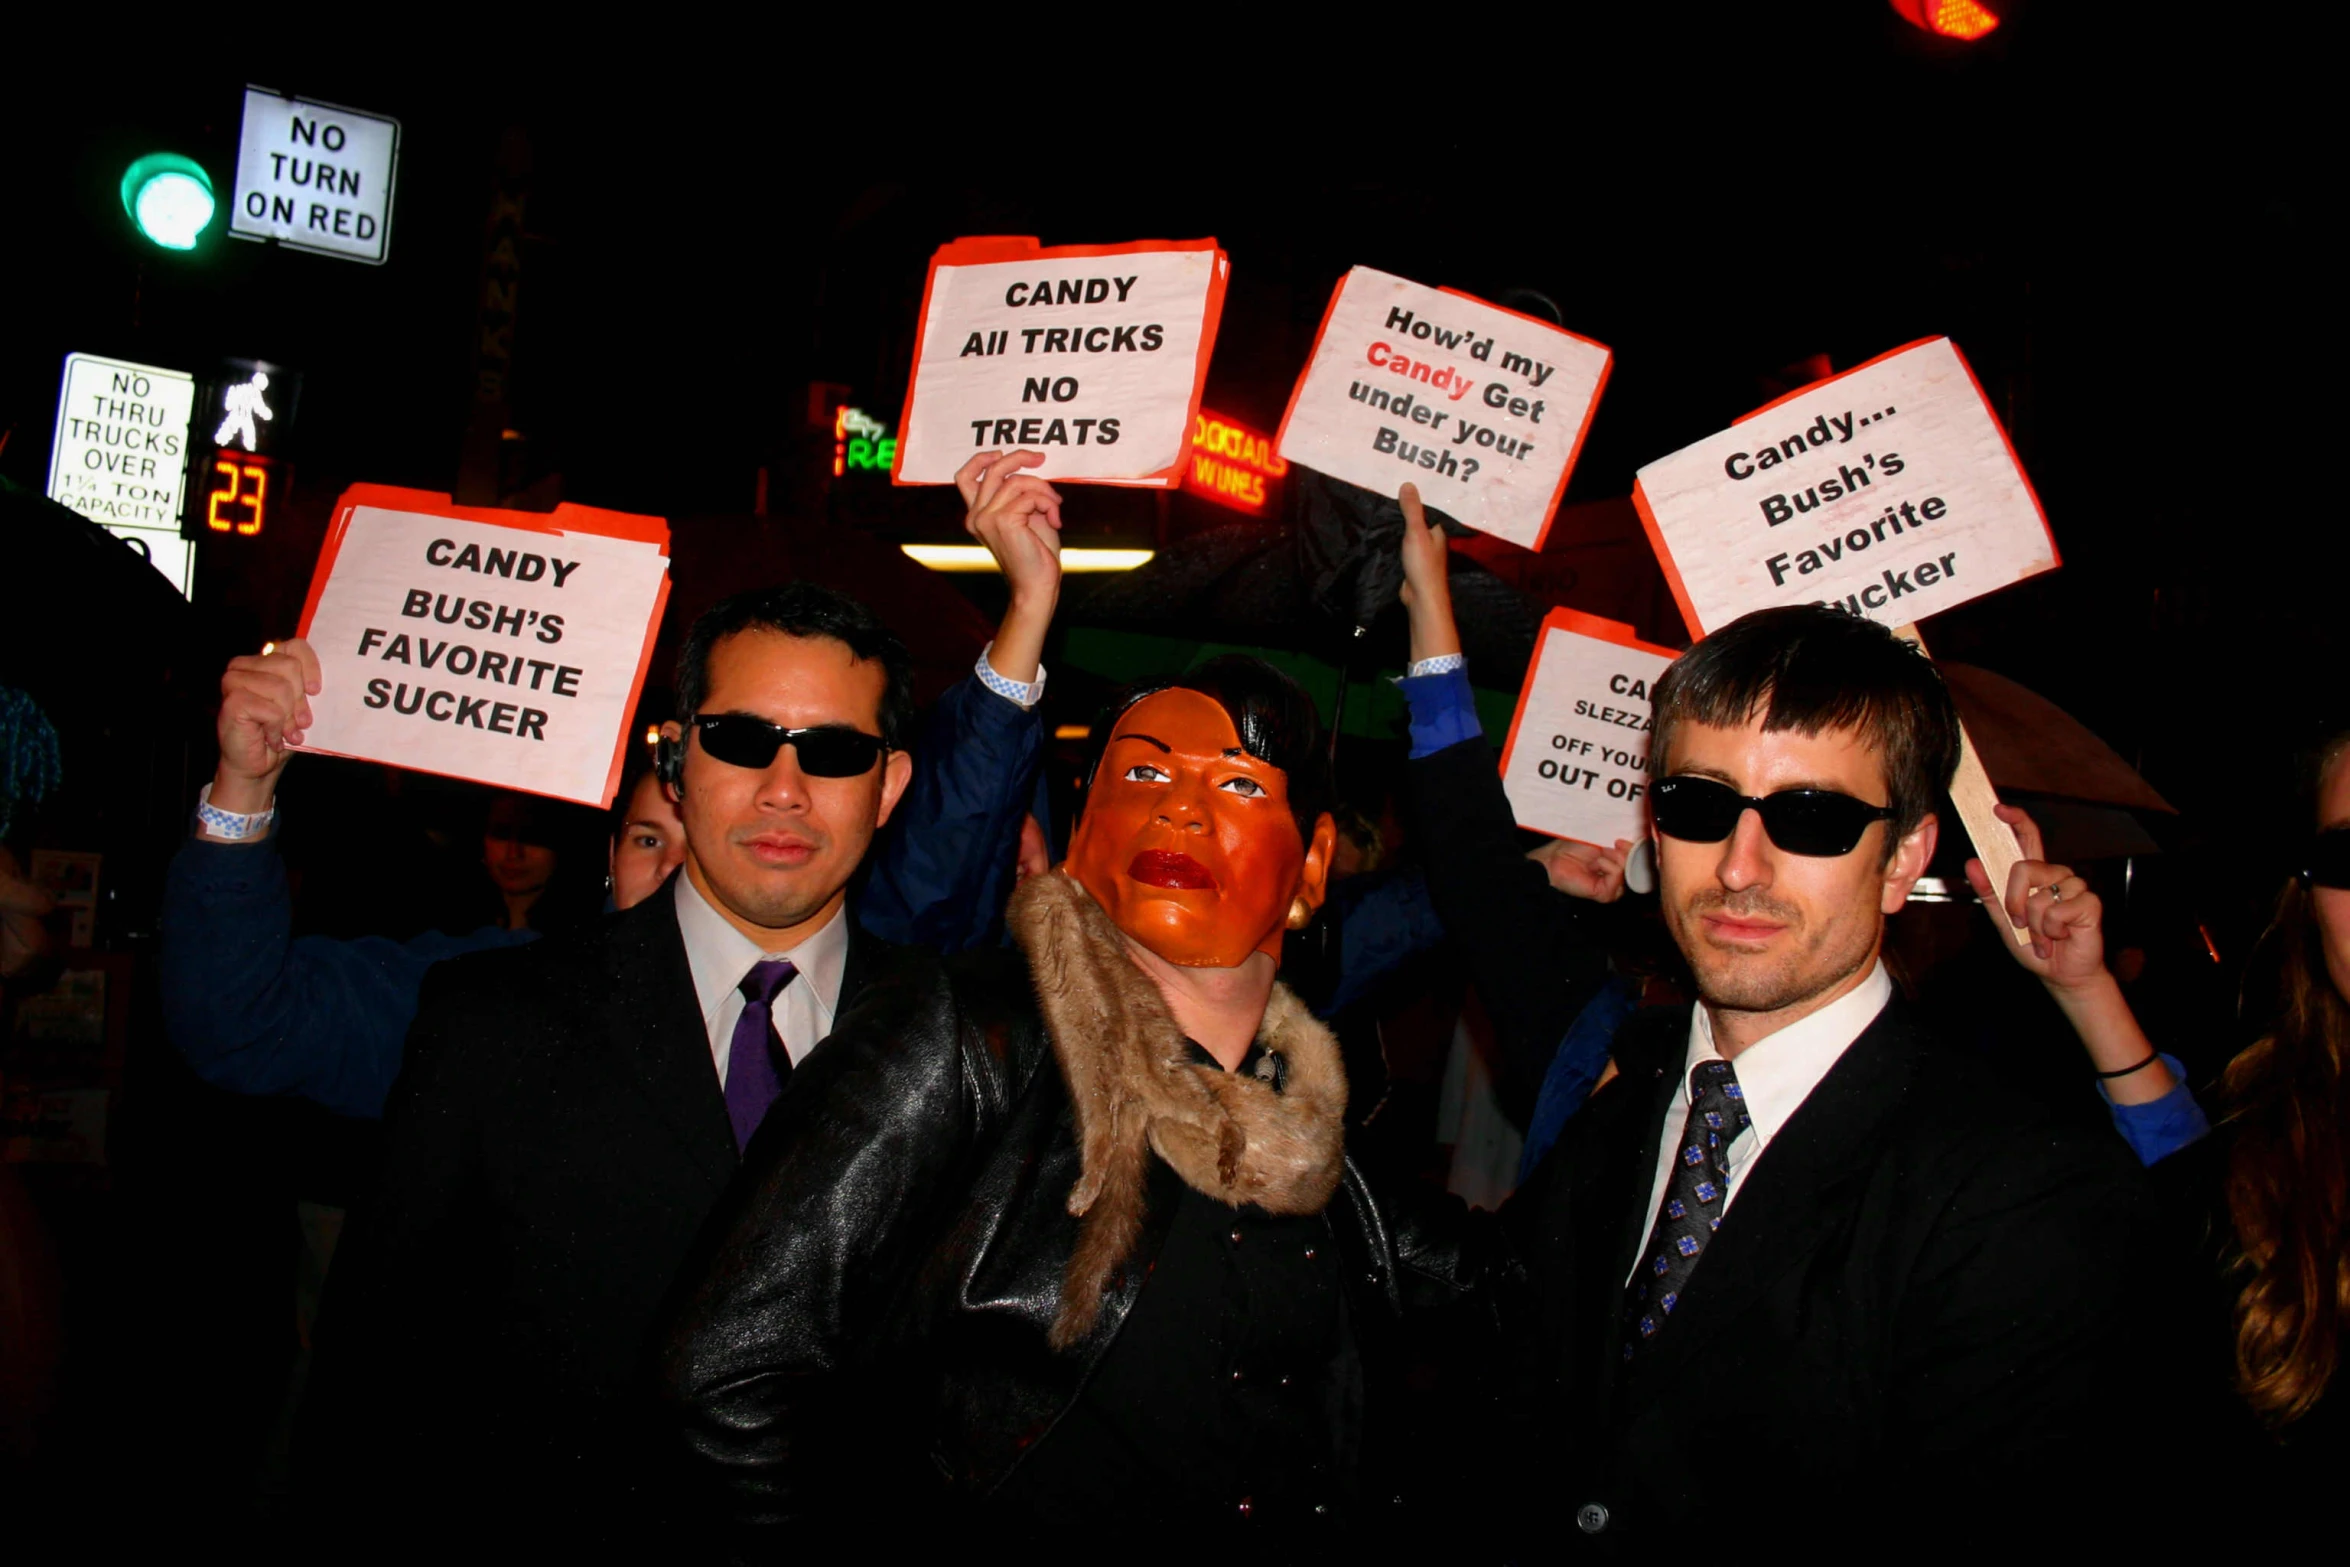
(316, 176)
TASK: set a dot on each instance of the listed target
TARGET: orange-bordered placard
(581, 677)
(1584, 719)
(1118, 351)
(1890, 488)
(1484, 408)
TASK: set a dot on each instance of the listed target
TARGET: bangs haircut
(1277, 722)
(802, 609)
(1813, 669)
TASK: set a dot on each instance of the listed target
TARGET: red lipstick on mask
(1167, 868)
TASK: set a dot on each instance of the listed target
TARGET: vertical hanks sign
(500, 646)
(120, 455)
(1889, 490)
(315, 176)
(1483, 408)
(1576, 762)
(1091, 354)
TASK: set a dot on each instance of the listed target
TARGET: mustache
(1748, 903)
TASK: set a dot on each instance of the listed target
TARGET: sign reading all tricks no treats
(1093, 355)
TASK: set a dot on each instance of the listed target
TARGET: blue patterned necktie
(1694, 1198)
(756, 1062)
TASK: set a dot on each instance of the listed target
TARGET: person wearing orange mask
(1066, 1237)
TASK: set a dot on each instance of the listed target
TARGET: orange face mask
(1187, 841)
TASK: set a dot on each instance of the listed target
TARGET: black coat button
(1591, 1517)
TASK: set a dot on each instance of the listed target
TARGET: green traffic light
(169, 197)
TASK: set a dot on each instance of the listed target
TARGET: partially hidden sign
(1483, 408)
(504, 647)
(1890, 490)
(1576, 762)
(1091, 354)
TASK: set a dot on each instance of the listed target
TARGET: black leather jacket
(869, 1325)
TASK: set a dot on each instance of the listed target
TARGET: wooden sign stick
(1972, 793)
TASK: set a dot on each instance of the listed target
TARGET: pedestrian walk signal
(249, 408)
(241, 471)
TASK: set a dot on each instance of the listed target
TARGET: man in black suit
(1796, 1267)
(569, 1112)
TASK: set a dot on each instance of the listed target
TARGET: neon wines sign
(1232, 464)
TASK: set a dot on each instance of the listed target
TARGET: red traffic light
(1964, 20)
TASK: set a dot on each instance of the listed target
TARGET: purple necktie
(756, 1062)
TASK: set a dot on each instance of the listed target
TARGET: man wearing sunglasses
(569, 1112)
(1797, 1264)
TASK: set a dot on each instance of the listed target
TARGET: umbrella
(2090, 804)
(1333, 566)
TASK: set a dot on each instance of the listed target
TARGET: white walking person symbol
(243, 403)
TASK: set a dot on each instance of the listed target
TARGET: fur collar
(1230, 1137)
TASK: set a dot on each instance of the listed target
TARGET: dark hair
(2287, 1194)
(802, 609)
(635, 768)
(1277, 722)
(1811, 668)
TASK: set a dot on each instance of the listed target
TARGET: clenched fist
(264, 709)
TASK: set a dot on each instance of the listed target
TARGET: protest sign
(1483, 408)
(1091, 354)
(1576, 761)
(1889, 489)
(501, 646)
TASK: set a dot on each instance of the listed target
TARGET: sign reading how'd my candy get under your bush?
(1483, 408)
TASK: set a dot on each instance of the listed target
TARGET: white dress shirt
(720, 956)
(1776, 1073)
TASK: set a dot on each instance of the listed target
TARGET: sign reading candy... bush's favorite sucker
(1890, 490)
(499, 646)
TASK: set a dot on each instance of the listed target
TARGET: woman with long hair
(2266, 1196)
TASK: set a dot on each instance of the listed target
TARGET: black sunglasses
(2327, 861)
(1819, 823)
(827, 751)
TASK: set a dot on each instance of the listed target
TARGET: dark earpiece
(669, 762)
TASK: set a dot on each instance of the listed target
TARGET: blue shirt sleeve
(1574, 1070)
(2160, 1127)
(1383, 920)
(1443, 711)
(945, 866)
(255, 1011)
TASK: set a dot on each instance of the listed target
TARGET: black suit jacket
(1917, 1307)
(555, 1140)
